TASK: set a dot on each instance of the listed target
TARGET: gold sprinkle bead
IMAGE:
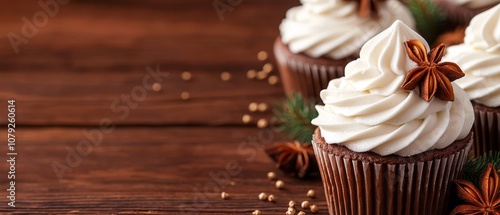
(262, 123)
(262, 196)
(156, 87)
(267, 68)
(304, 204)
(224, 195)
(273, 80)
(271, 198)
(290, 213)
(262, 55)
(310, 194)
(291, 210)
(246, 118)
(262, 107)
(314, 209)
(251, 74)
(186, 76)
(252, 107)
(261, 75)
(301, 213)
(271, 175)
(291, 204)
(184, 95)
(256, 212)
(280, 184)
(225, 76)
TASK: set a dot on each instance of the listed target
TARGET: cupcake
(460, 12)
(479, 58)
(320, 37)
(393, 133)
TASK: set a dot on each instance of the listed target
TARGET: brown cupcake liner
(486, 128)
(357, 183)
(306, 75)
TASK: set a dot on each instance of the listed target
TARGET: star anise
(432, 77)
(368, 7)
(486, 201)
(294, 157)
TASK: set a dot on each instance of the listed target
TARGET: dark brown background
(160, 158)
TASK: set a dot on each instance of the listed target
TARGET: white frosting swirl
(474, 4)
(367, 110)
(333, 28)
(479, 58)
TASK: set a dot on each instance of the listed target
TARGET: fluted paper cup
(306, 75)
(367, 183)
(486, 129)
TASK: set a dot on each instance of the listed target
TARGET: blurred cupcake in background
(479, 58)
(320, 37)
(460, 12)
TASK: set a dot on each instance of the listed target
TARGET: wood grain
(153, 170)
(90, 53)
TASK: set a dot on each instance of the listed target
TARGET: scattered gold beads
(262, 123)
(271, 198)
(310, 194)
(262, 55)
(263, 196)
(291, 204)
(314, 209)
(280, 184)
(225, 76)
(251, 74)
(262, 107)
(271, 175)
(246, 118)
(184, 95)
(261, 75)
(156, 87)
(304, 204)
(301, 213)
(256, 212)
(224, 195)
(186, 76)
(252, 107)
(267, 68)
(272, 80)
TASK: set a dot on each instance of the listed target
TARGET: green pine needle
(295, 115)
(428, 18)
(476, 166)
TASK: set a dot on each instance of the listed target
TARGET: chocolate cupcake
(320, 37)
(395, 131)
(479, 58)
(460, 12)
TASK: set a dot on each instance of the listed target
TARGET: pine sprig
(476, 166)
(295, 115)
(428, 18)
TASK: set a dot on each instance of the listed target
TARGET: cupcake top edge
(478, 57)
(371, 109)
(334, 28)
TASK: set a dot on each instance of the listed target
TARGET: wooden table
(93, 137)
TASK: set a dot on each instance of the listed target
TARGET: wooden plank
(151, 170)
(91, 53)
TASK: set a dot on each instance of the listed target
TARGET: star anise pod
(294, 157)
(432, 77)
(486, 201)
(368, 7)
